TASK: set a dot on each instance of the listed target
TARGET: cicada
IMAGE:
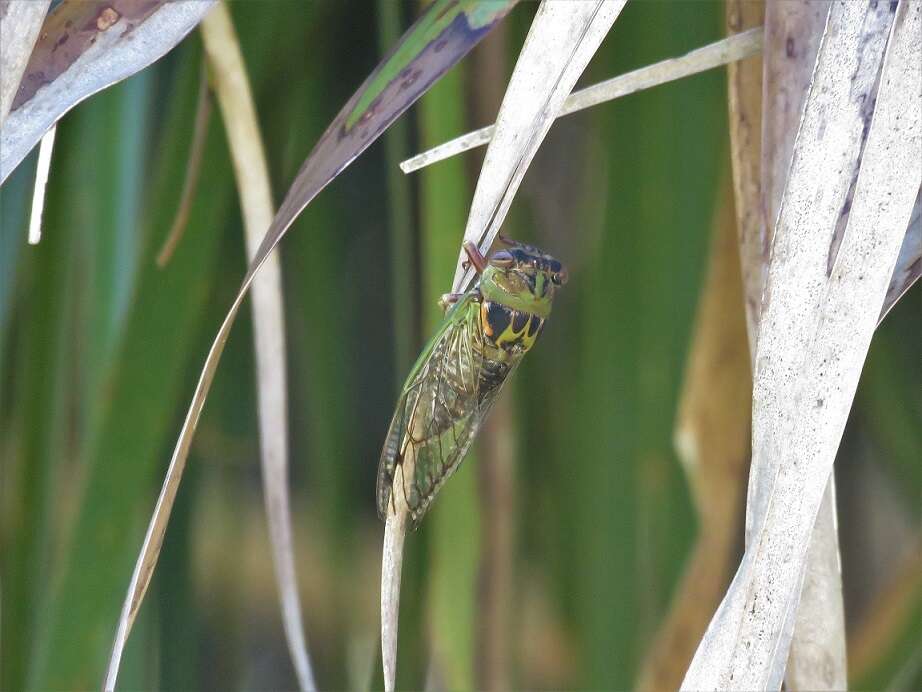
(482, 339)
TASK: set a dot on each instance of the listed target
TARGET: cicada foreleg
(449, 299)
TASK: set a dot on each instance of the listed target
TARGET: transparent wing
(439, 412)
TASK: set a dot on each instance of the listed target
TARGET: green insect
(456, 378)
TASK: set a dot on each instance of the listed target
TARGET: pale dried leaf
(42, 169)
(20, 21)
(722, 52)
(395, 529)
(816, 327)
(85, 47)
(793, 33)
(563, 38)
(792, 38)
(232, 90)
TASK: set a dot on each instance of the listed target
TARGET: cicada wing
(438, 415)
(408, 411)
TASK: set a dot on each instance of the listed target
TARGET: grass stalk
(232, 89)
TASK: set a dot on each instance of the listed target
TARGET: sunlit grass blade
(41, 182)
(20, 22)
(808, 368)
(723, 52)
(63, 72)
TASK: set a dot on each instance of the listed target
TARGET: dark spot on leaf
(789, 47)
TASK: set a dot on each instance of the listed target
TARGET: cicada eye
(560, 278)
(502, 259)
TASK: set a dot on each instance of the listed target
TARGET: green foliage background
(100, 349)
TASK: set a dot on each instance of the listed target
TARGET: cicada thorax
(512, 331)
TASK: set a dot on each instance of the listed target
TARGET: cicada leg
(478, 261)
(449, 299)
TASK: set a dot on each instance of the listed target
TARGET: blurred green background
(100, 350)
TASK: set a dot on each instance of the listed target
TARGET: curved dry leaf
(232, 90)
(20, 21)
(816, 327)
(83, 48)
(562, 39)
(439, 38)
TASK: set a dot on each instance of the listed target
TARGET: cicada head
(522, 277)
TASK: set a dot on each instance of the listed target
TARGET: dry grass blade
(193, 169)
(20, 22)
(232, 89)
(83, 48)
(816, 326)
(395, 529)
(712, 442)
(719, 53)
(793, 33)
(744, 96)
(562, 39)
(42, 169)
(382, 98)
(792, 38)
(233, 92)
